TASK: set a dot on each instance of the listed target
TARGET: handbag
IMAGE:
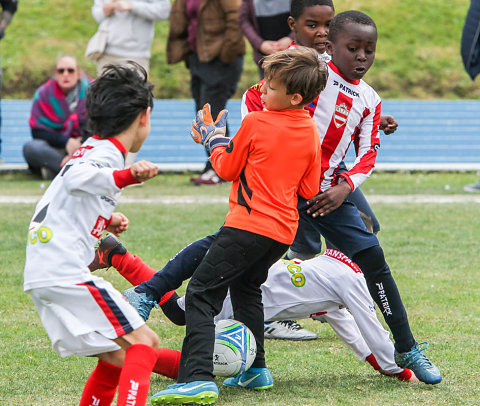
(96, 45)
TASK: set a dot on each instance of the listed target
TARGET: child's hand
(268, 47)
(204, 129)
(118, 224)
(329, 200)
(144, 170)
(388, 124)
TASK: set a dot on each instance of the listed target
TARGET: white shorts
(83, 319)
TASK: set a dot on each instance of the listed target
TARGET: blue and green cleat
(191, 393)
(418, 362)
(253, 378)
(142, 303)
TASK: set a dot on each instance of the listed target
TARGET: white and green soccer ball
(235, 348)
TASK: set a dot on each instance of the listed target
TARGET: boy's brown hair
(299, 70)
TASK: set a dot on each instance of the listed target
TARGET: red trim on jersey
(124, 178)
(112, 313)
(335, 69)
(367, 160)
(317, 314)
(343, 258)
(81, 151)
(335, 130)
(114, 141)
(253, 101)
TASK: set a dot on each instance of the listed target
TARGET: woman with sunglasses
(58, 119)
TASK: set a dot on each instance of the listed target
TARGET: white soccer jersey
(72, 214)
(345, 112)
(321, 286)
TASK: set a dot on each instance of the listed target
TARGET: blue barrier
(431, 135)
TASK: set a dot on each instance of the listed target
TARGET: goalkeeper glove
(208, 133)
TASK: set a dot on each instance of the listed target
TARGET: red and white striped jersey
(345, 112)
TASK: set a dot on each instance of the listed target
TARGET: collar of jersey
(335, 69)
(114, 141)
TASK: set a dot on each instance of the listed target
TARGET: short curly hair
(339, 22)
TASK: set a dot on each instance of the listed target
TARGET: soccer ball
(235, 348)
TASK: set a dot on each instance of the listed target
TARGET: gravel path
(386, 199)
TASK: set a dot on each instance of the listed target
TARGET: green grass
(418, 53)
(432, 250)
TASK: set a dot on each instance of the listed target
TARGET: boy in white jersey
(83, 314)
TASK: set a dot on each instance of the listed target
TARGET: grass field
(418, 53)
(432, 250)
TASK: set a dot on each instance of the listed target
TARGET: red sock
(135, 377)
(168, 362)
(373, 362)
(101, 386)
(132, 268)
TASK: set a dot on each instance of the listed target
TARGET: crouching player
(83, 314)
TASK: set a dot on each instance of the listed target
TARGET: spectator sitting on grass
(58, 119)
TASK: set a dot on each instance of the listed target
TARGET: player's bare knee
(143, 335)
(113, 357)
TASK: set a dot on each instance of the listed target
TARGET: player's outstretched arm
(144, 170)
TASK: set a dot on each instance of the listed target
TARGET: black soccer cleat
(107, 248)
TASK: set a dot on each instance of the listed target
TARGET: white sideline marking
(385, 199)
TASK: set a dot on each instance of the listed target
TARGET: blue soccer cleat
(418, 362)
(195, 393)
(254, 378)
(142, 303)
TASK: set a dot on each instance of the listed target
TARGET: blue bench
(432, 135)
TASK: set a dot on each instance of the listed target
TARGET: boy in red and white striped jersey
(347, 111)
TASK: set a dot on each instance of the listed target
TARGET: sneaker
(417, 361)
(195, 393)
(474, 187)
(142, 303)
(209, 177)
(107, 248)
(254, 378)
(288, 330)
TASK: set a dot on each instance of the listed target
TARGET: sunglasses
(62, 70)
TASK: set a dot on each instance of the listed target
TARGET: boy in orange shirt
(274, 155)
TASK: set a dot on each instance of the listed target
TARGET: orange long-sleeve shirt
(273, 156)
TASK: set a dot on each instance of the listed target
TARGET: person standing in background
(130, 27)
(206, 35)
(9, 7)
(470, 51)
(264, 23)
